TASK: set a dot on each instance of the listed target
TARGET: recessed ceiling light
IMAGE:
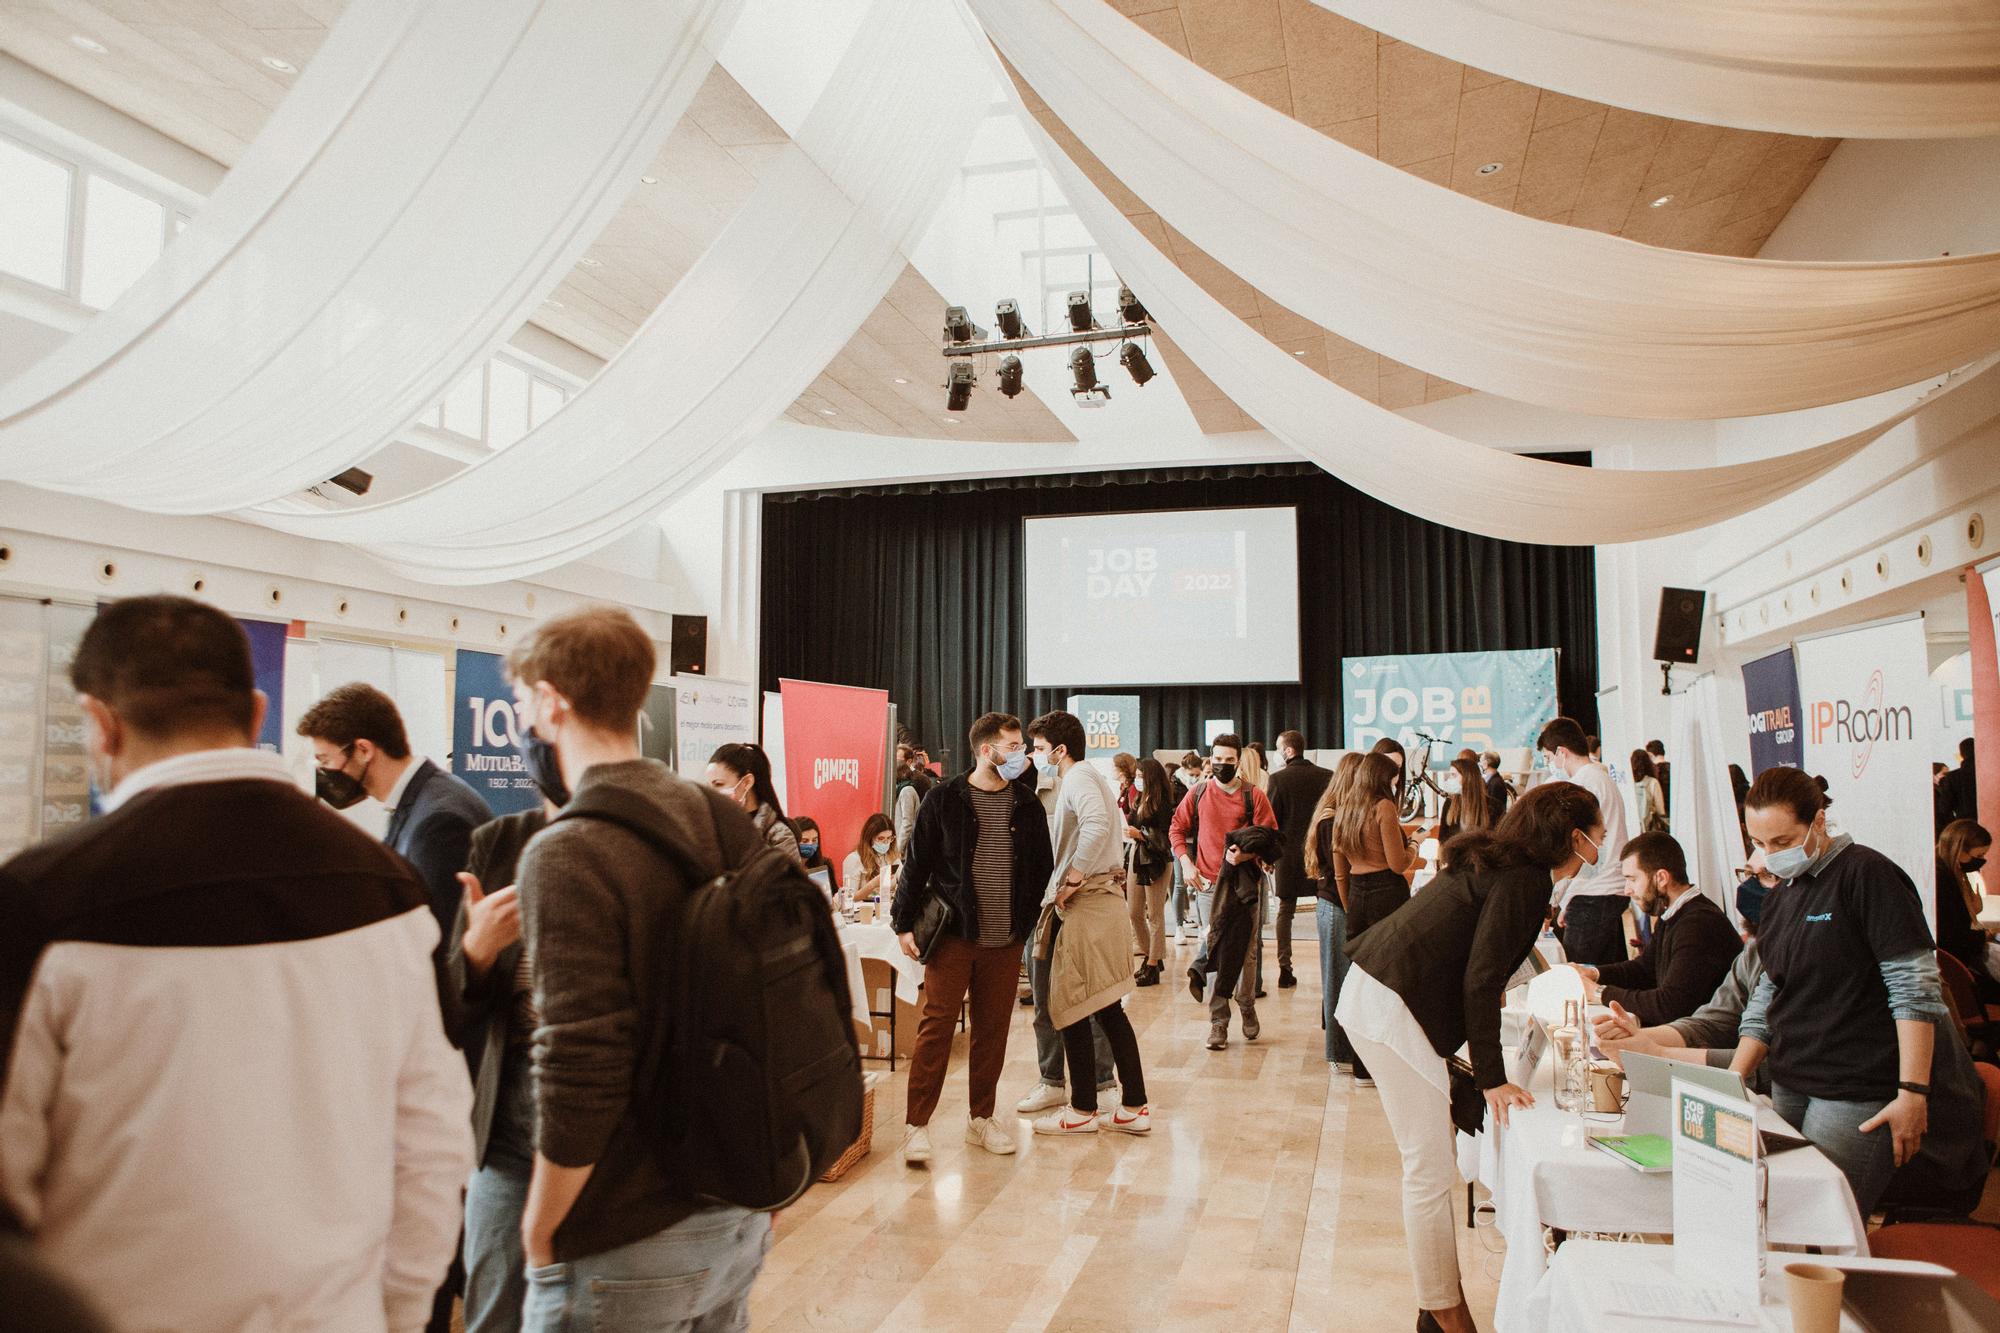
(1490, 168)
(901, 380)
(1662, 201)
(84, 43)
(649, 180)
(282, 66)
(828, 412)
(588, 262)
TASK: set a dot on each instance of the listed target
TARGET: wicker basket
(861, 1146)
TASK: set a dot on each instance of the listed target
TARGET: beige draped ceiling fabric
(1532, 310)
(438, 169)
(796, 272)
(1862, 69)
(1424, 471)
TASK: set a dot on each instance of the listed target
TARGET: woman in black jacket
(1429, 978)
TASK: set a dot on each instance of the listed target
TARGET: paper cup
(1813, 1292)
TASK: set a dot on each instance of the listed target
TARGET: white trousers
(1420, 1118)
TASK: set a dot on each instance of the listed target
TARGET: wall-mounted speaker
(1678, 638)
(689, 649)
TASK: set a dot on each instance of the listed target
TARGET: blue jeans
(694, 1277)
(1049, 1046)
(1333, 966)
(496, 1284)
(1867, 1160)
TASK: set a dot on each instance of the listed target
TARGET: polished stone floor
(1266, 1198)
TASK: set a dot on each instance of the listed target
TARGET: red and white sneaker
(1068, 1121)
(1128, 1121)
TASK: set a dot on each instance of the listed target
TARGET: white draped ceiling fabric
(1424, 471)
(436, 171)
(780, 292)
(1862, 69)
(1532, 310)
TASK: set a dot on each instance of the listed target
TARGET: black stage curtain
(916, 589)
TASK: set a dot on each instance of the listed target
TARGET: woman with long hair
(1430, 979)
(1330, 910)
(869, 871)
(1652, 796)
(1371, 855)
(1149, 864)
(1467, 805)
(1961, 851)
(742, 771)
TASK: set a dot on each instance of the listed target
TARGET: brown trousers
(991, 976)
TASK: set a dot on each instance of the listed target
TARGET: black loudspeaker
(1678, 638)
(689, 649)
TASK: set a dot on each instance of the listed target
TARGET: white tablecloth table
(878, 941)
(1542, 1173)
(1571, 1298)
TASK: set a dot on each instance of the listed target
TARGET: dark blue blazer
(432, 828)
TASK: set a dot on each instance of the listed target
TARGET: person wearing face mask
(1691, 951)
(1591, 905)
(1217, 806)
(743, 772)
(1467, 806)
(982, 844)
(1961, 852)
(869, 871)
(1849, 1011)
(1429, 979)
(227, 1095)
(362, 752)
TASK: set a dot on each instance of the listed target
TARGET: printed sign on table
(485, 735)
(836, 751)
(1485, 701)
(1110, 723)
(1771, 697)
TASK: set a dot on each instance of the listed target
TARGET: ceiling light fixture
(958, 395)
(1490, 168)
(83, 43)
(282, 66)
(1662, 201)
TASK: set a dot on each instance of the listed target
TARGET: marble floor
(1266, 1198)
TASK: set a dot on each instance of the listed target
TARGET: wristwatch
(1921, 1089)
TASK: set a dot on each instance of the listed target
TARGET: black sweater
(939, 858)
(1450, 951)
(1687, 958)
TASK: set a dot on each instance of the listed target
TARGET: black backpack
(751, 1074)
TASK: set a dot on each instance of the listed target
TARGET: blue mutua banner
(1485, 701)
(483, 735)
(1771, 697)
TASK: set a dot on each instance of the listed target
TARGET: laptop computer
(1649, 1105)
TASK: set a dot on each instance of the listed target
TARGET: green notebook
(1642, 1152)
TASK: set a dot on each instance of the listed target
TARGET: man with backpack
(621, 1227)
(1217, 806)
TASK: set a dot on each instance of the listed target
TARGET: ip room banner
(836, 749)
(484, 732)
(1869, 710)
(1488, 701)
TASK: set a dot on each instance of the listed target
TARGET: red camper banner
(836, 744)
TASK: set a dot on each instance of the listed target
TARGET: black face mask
(1225, 773)
(540, 757)
(1975, 864)
(339, 788)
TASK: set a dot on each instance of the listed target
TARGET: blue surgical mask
(1014, 765)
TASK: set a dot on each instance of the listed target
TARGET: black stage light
(1134, 360)
(1007, 315)
(1079, 312)
(1010, 376)
(1129, 307)
(958, 325)
(959, 395)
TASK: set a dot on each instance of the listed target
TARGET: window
(123, 233)
(34, 216)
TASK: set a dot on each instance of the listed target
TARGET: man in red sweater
(1217, 806)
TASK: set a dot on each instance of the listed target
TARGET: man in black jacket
(981, 845)
(1691, 950)
(1294, 790)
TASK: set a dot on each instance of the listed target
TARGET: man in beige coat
(1083, 935)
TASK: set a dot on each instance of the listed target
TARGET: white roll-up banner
(1869, 714)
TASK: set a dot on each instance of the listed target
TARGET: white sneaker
(916, 1145)
(1045, 1097)
(1128, 1121)
(1067, 1121)
(988, 1134)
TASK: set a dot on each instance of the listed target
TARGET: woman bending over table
(1429, 978)
(1849, 1007)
